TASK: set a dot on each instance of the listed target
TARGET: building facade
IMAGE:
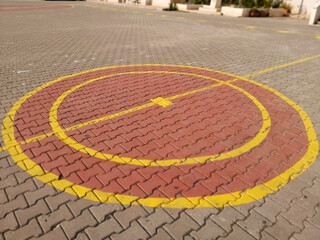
(303, 7)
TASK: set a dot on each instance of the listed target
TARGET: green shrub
(287, 6)
(173, 7)
(267, 3)
(259, 3)
(277, 3)
(248, 3)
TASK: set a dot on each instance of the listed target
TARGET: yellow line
(281, 66)
(251, 26)
(282, 31)
(195, 91)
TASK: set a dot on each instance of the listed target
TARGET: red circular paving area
(22, 8)
(205, 123)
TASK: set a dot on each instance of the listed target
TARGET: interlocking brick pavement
(42, 41)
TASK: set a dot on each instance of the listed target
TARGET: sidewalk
(122, 122)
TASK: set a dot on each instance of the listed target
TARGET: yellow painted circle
(234, 198)
(60, 133)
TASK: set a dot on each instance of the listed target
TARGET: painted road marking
(6, 147)
(282, 31)
(161, 101)
(59, 132)
(225, 195)
(251, 26)
(283, 65)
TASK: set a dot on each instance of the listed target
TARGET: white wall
(161, 3)
(306, 8)
(165, 3)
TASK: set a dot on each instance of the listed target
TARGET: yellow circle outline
(228, 199)
(60, 133)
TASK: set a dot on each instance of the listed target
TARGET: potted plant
(264, 13)
(254, 12)
(275, 10)
(287, 7)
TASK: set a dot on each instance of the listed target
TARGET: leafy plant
(173, 7)
(277, 3)
(254, 10)
(229, 2)
(268, 3)
(287, 6)
(259, 3)
(248, 3)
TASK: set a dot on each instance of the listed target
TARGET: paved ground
(122, 122)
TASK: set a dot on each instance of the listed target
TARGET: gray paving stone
(181, 227)
(18, 203)
(227, 217)
(32, 229)
(126, 216)
(51, 220)
(104, 229)
(282, 229)
(238, 234)
(40, 193)
(56, 233)
(73, 227)
(9, 222)
(254, 224)
(102, 211)
(309, 232)
(135, 231)
(210, 230)
(161, 235)
(24, 215)
(155, 220)
(61, 198)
